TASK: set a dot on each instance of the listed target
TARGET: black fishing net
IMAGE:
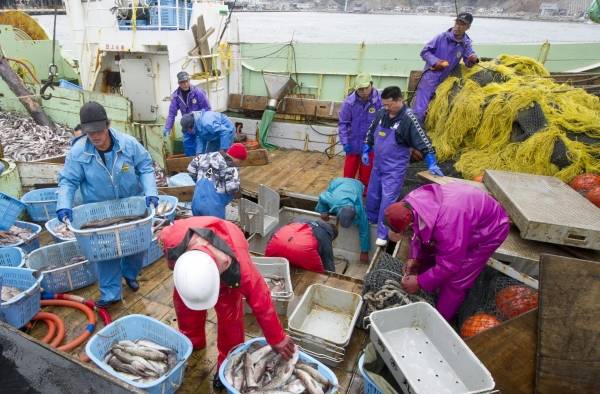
(529, 121)
(560, 154)
(382, 288)
(485, 77)
(485, 297)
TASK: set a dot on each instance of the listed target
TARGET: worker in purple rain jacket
(186, 98)
(442, 55)
(355, 117)
(454, 230)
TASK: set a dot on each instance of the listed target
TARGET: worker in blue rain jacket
(106, 165)
(217, 180)
(343, 198)
(214, 131)
(185, 99)
(393, 132)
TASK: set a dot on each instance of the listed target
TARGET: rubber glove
(286, 348)
(473, 59)
(347, 148)
(440, 65)
(432, 165)
(64, 214)
(365, 154)
(166, 132)
(152, 200)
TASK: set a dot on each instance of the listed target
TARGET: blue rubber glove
(432, 166)
(365, 154)
(166, 132)
(64, 213)
(152, 200)
(347, 148)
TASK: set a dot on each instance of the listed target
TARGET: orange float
(585, 182)
(515, 300)
(477, 323)
(594, 196)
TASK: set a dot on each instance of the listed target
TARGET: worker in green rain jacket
(343, 198)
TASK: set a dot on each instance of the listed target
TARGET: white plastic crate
(425, 354)
(278, 266)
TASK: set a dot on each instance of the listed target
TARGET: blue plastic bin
(154, 254)
(41, 203)
(134, 327)
(170, 216)
(169, 19)
(32, 243)
(369, 387)
(12, 257)
(65, 277)
(115, 241)
(326, 372)
(62, 83)
(10, 209)
(52, 225)
(20, 309)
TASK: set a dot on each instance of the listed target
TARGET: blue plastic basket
(20, 309)
(12, 257)
(169, 20)
(52, 225)
(134, 327)
(32, 243)
(115, 241)
(10, 209)
(369, 387)
(154, 254)
(41, 203)
(170, 216)
(323, 370)
(65, 277)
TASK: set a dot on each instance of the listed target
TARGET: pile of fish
(382, 298)
(164, 207)
(63, 231)
(262, 371)
(25, 140)
(141, 361)
(111, 221)
(72, 261)
(15, 235)
(276, 283)
(9, 292)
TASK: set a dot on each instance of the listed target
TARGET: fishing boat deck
(293, 172)
(154, 299)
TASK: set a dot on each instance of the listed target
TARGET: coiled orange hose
(88, 331)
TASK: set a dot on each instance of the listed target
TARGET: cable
(227, 21)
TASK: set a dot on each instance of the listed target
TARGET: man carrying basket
(106, 164)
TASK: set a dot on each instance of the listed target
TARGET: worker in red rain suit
(225, 243)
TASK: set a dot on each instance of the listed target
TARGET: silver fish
(8, 292)
(283, 371)
(313, 373)
(249, 372)
(260, 353)
(231, 366)
(295, 387)
(145, 352)
(311, 385)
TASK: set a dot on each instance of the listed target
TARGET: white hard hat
(197, 280)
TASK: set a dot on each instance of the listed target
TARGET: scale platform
(546, 209)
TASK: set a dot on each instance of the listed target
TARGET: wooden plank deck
(154, 299)
(293, 171)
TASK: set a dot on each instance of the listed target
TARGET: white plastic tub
(326, 313)
(276, 266)
(425, 354)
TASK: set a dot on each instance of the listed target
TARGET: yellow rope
(473, 124)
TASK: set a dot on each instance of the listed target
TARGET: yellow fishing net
(508, 114)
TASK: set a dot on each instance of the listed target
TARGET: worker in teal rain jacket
(214, 131)
(343, 198)
(105, 165)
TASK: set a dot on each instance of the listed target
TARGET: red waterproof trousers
(353, 165)
(297, 243)
(230, 314)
